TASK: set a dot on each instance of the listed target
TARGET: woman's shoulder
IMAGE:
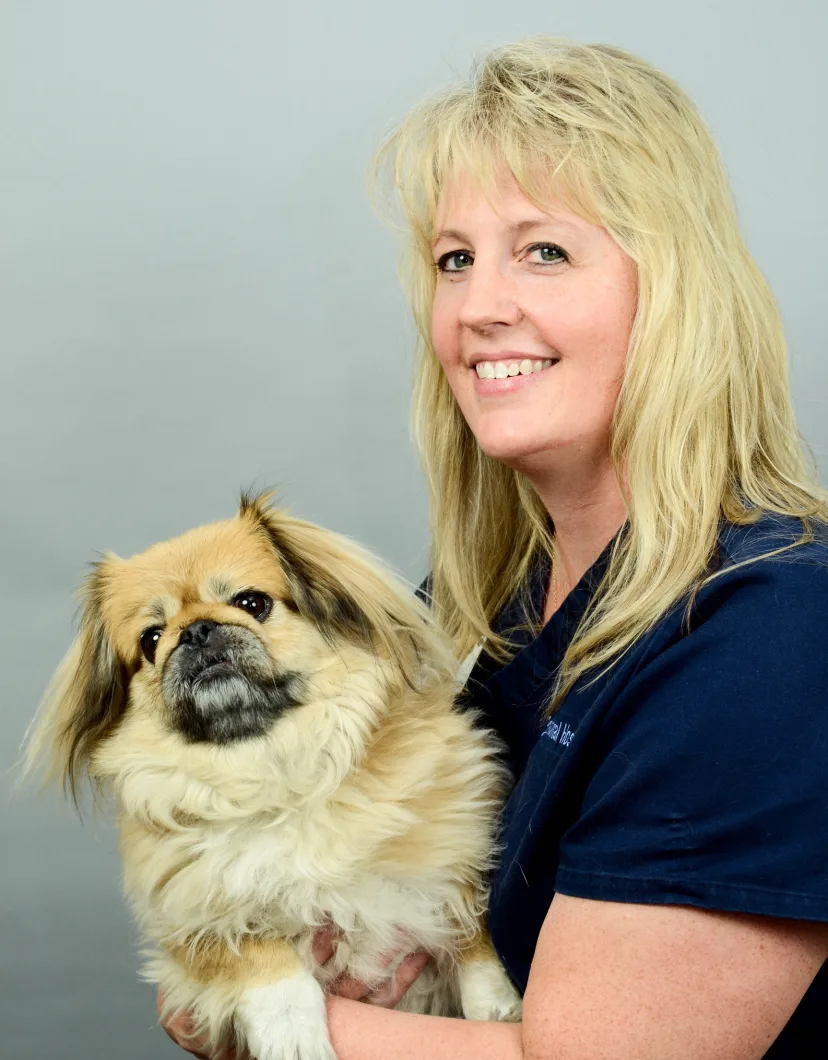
(770, 587)
(765, 608)
(775, 538)
(775, 564)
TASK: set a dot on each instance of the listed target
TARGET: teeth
(504, 369)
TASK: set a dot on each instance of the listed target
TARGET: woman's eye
(149, 642)
(548, 253)
(455, 261)
(256, 604)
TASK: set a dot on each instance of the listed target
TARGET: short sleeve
(710, 785)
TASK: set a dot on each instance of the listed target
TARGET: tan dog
(274, 713)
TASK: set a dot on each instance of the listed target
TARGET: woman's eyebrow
(449, 233)
(518, 228)
(547, 221)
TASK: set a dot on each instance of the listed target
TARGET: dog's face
(208, 629)
(218, 634)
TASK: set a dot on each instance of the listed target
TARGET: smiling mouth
(506, 369)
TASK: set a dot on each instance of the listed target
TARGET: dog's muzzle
(221, 685)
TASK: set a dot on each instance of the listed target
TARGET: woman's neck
(587, 512)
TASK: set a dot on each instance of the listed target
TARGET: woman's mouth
(505, 369)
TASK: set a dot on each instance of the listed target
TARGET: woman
(622, 510)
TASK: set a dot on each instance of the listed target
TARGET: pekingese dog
(274, 713)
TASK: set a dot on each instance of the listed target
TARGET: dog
(274, 713)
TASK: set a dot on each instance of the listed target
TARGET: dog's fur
(320, 774)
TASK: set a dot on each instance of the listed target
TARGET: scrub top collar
(538, 652)
(512, 697)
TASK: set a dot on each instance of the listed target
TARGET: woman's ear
(84, 700)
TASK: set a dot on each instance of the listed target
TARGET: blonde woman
(623, 514)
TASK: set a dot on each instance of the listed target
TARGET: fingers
(391, 992)
(324, 943)
(180, 1030)
(347, 986)
(179, 1027)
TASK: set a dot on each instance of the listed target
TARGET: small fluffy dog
(274, 713)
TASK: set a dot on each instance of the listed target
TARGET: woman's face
(531, 321)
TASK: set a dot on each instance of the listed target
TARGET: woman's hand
(388, 994)
(180, 1028)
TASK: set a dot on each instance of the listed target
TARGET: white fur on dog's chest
(268, 875)
(275, 871)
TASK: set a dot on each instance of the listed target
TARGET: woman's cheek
(442, 335)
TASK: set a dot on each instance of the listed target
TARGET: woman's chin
(517, 451)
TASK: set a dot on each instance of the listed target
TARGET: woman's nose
(490, 297)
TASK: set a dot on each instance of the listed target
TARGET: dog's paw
(286, 1020)
(487, 993)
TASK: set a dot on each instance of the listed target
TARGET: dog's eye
(256, 604)
(149, 642)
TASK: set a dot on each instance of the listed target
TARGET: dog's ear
(84, 700)
(348, 594)
(317, 588)
(321, 597)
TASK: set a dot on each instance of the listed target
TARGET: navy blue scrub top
(695, 772)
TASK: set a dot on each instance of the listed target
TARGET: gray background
(196, 296)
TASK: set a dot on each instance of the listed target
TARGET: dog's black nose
(198, 633)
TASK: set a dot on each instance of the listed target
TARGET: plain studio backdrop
(196, 296)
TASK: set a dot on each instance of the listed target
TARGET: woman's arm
(641, 981)
(364, 1032)
(621, 981)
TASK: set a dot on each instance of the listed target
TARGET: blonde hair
(703, 427)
